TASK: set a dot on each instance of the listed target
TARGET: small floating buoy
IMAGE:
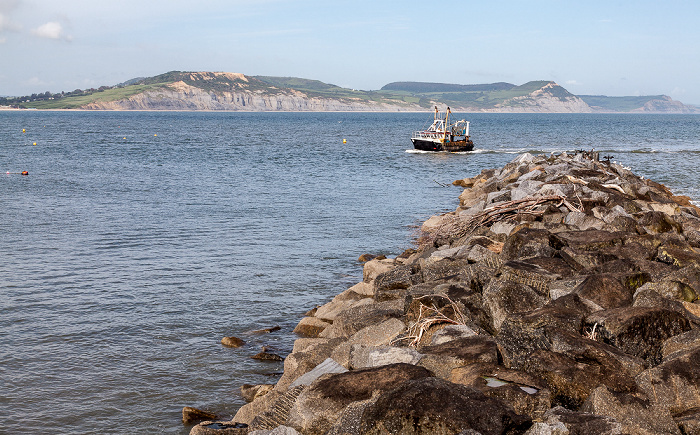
(345, 141)
(155, 135)
(24, 131)
(25, 173)
(34, 143)
(124, 137)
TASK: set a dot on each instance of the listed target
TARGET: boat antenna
(447, 122)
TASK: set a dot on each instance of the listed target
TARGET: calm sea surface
(139, 240)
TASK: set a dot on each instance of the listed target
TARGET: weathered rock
(375, 267)
(441, 359)
(232, 342)
(606, 290)
(527, 394)
(219, 428)
(252, 392)
(446, 270)
(656, 222)
(391, 284)
(352, 320)
(682, 342)
(328, 366)
(674, 384)
(191, 415)
(266, 330)
(279, 430)
(247, 413)
(589, 240)
(523, 333)
(267, 356)
(375, 356)
(527, 243)
(320, 405)
(572, 380)
(636, 414)
(379, 334)
(502, 298)
(452, 332)
(435, 406)
(341, 302)
(297, 364)
(562, 421)
(638, 331)
(688, 422)
(362, 288)
(310, 327)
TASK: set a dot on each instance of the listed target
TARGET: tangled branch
(429, 316)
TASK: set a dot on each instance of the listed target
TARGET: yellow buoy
(345, 141)
(155, 135)
(24, 131)
(124, 137)
(34, 143)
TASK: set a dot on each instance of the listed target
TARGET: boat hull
(456, 146)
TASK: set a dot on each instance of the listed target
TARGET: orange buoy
(25, 173)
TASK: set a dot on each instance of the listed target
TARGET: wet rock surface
(561, 296)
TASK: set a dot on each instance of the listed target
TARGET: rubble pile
(560, 297)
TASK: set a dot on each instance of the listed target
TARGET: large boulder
(352, 320)
(675, 383)
(441, 359)
(636, 413)
(562, 421)
(526, 243)
(318, 407)
(527, 394)
(638, 331)
(438, 407)
(504, 297)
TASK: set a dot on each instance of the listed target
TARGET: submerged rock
(191, 415)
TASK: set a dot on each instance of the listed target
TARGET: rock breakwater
(560, 297)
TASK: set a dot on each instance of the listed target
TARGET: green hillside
(409, 95)
(618, 104)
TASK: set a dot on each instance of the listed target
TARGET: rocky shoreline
(560, 297)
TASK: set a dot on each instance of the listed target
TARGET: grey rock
(435, 406)
(318, 408)
(637, 415)
(452, 332)
(327, 366)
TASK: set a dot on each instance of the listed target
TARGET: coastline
(562, 292)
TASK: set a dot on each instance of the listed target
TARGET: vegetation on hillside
(469, 97)
(618, 104)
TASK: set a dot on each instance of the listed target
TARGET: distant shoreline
(12, 109)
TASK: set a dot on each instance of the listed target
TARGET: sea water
(140, 239)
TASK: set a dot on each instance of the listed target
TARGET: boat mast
(447, 116)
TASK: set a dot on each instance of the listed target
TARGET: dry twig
(429, 316)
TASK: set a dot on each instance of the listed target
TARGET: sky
(610, 47)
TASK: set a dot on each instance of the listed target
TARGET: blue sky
(594, 47)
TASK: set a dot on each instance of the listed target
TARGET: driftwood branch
(511, 209)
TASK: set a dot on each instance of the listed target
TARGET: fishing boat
(443, 136)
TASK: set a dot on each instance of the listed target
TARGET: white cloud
(7, 7)
(51, 30)
(572, 83)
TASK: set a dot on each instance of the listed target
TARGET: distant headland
(223, 91)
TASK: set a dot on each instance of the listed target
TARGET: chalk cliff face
(665, 104)
(183, 96)
(222, 91)
(551, 98)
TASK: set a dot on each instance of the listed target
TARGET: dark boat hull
(453, 147)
